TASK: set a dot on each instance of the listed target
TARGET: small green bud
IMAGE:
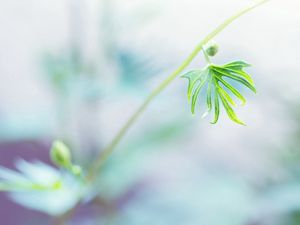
(60, 155)
(76, 170)
(212, 49)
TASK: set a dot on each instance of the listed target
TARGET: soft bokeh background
(77, 69)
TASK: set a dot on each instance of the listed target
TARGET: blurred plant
(134, 66)
(71, 77)
(135, 69)
(41, 187)
(30, 180)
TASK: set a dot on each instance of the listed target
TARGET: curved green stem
(109, 149)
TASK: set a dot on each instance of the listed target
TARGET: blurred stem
(76, 30)
(104, 155)
(62, 220)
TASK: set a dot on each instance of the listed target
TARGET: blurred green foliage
(43, 188)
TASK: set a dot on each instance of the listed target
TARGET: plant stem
(104, 155)
(63, 219)
(207, 59)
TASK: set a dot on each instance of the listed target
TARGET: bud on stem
(211, 49)
(60, 155)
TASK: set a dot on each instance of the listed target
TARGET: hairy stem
(104, 155)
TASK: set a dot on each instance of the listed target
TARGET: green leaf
(236, 65)
(230, 112)
(196, 94)
(240, 73)
(212, 76)
(197, 79)
(226, 95)
(234, 77)
(193, 76)
(233, 90)
(208, 98)
(209, 103)
(243, 74)
(217, 108)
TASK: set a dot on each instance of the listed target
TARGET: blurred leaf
(40, 187)
(136, 68)
(67, 73)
